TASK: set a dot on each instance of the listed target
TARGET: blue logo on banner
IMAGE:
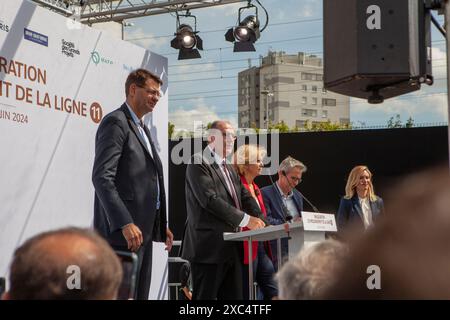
(35, 37)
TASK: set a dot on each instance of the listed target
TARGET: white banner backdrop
(57, 79)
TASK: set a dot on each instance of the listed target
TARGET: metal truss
(61, 6)
(98, 11)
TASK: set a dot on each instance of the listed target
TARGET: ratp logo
(96, 58)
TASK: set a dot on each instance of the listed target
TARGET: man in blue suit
(283, 202)
(130, 201)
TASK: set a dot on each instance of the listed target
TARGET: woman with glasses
(248, 163)
(360, 206)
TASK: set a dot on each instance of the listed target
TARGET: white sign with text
(316, 221)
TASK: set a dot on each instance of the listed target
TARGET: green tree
(280, 126)
(324, 126)
(254, 127)
(409, 123)
(171, 129)
(395, 123)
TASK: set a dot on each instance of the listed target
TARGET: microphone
(295, 187)
(287, 215)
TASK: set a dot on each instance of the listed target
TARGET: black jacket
(125, 180)
(350, 212)
(211, 212)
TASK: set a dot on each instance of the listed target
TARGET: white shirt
(219, 161)
(149, 147)
(367, 212)
(141, 130)
(289, 202)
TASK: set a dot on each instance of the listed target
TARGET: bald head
(69, 263)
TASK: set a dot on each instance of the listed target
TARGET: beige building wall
(292, 88)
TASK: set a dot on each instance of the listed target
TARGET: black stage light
(186, 40)
(247, 31)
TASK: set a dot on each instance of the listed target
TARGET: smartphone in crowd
(129, 262)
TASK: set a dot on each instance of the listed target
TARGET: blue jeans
(263, 274)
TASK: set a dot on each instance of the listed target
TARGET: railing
(177, 285)
(171, 260)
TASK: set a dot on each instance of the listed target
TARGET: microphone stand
(309, 202)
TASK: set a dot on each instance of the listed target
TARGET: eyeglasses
(295, 179)
(153, 92)
(229, 136)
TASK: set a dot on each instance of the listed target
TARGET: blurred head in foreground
(64, 264)
(312, 271)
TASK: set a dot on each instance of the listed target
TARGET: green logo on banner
(95, 57)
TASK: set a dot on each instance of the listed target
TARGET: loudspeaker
(376, 49)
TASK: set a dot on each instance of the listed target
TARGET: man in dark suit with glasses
(130, 202)
(216, 202)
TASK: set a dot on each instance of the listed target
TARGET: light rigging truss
(99, 11)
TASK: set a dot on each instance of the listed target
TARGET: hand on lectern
(255, 223)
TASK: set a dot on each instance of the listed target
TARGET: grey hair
(290, 163)
(311, 271)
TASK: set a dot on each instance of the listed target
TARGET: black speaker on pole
(376, 49)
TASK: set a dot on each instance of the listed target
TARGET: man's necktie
(230, 182)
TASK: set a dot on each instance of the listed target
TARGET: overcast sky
(206, 89)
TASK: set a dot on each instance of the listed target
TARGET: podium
(298, 237)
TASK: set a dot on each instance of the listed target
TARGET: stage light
(242, 34)
(187, 37)
(186, 40)
(247, 31)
